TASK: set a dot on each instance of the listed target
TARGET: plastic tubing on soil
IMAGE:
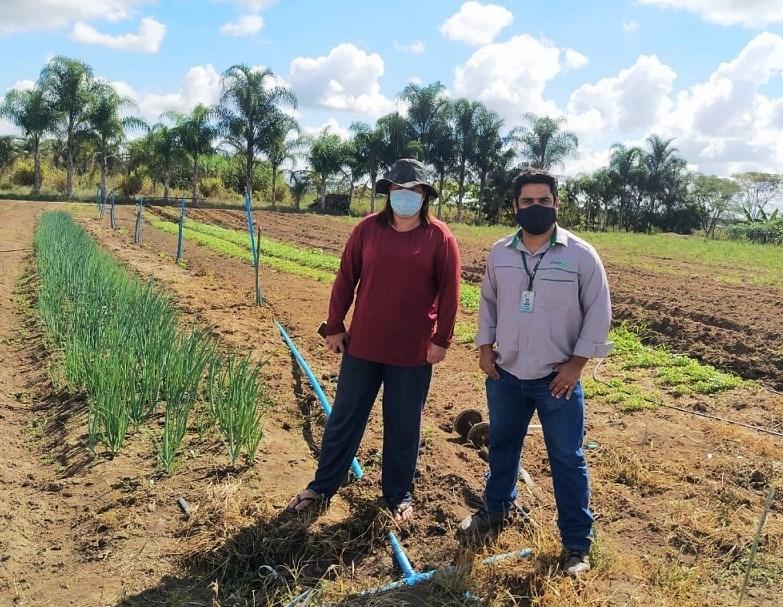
(355, 467)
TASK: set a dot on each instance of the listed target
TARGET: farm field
(723, 308)
(677, 496)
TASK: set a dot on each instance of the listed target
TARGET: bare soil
(677, 497)
(692, 312)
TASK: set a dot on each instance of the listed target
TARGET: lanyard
(531, 275)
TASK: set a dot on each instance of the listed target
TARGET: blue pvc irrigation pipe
(411, 577)
(355, 467)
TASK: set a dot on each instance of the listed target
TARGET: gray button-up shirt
(571, 314)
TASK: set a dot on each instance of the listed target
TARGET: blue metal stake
(251, 229)
(181, 227)
(113, 216)
(139, 221)
(102, 203)
(355, 467)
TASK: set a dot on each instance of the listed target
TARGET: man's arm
(488, 322)
(593, 341)
(596, 305)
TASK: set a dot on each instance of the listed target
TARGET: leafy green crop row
(243, 251)
(284, 257)
(120, 344)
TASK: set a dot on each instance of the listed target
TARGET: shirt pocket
(558, 292)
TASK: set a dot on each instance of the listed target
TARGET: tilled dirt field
(692, 312)
(676, 496)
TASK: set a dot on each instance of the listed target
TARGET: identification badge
(527, 302)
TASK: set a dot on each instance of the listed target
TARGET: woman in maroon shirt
(407, 268)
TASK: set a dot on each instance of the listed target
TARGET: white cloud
(476, 24)
(634, 99)
(754, 13)
(630, 26)
(16, 16)
(510, 77)
(414, 48)
(23, 85)
(124, 89)
(6, 128)
(147, 40)
(200, 85)
(247, 25)
(725, 124)
(573, 60)
(415, 80)
(256, 5)
(334, 127)
(345, 79)
(587, 161)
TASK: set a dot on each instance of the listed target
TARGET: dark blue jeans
(512, 402)
(404, 394)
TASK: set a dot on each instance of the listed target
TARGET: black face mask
(536, 219)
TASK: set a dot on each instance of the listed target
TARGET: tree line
(250, 141)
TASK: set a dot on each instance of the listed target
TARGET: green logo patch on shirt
(560, 263)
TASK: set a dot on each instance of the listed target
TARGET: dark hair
(386, 217)
(535, 176)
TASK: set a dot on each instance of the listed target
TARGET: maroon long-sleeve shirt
(408, 291)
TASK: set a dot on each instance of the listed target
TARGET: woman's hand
(435, 354)
(336, 344)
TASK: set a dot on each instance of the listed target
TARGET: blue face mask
(405, 203)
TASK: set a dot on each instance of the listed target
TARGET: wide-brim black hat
(406, 173)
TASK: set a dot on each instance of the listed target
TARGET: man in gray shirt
(544, 312)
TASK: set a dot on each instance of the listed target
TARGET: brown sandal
(310, 503)
(400, 509)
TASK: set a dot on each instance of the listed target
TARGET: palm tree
(165, 153)
(465, 136)
(248, 107)
(424, 103)
(106, 123)
(398, 139)
(67, 85)
(662, 166)
(9, 150)
(32, 113)
(299, 183)
(442, 148)
(196, 134)
(545, 144)
(627, 174)
(489, 146)
(368, 148)
(325, 158)
(280, 146)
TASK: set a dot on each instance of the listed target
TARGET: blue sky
(706, 72)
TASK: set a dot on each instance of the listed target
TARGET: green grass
(465, 332)
(630, 397)
(682, 374)
(730, 261)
